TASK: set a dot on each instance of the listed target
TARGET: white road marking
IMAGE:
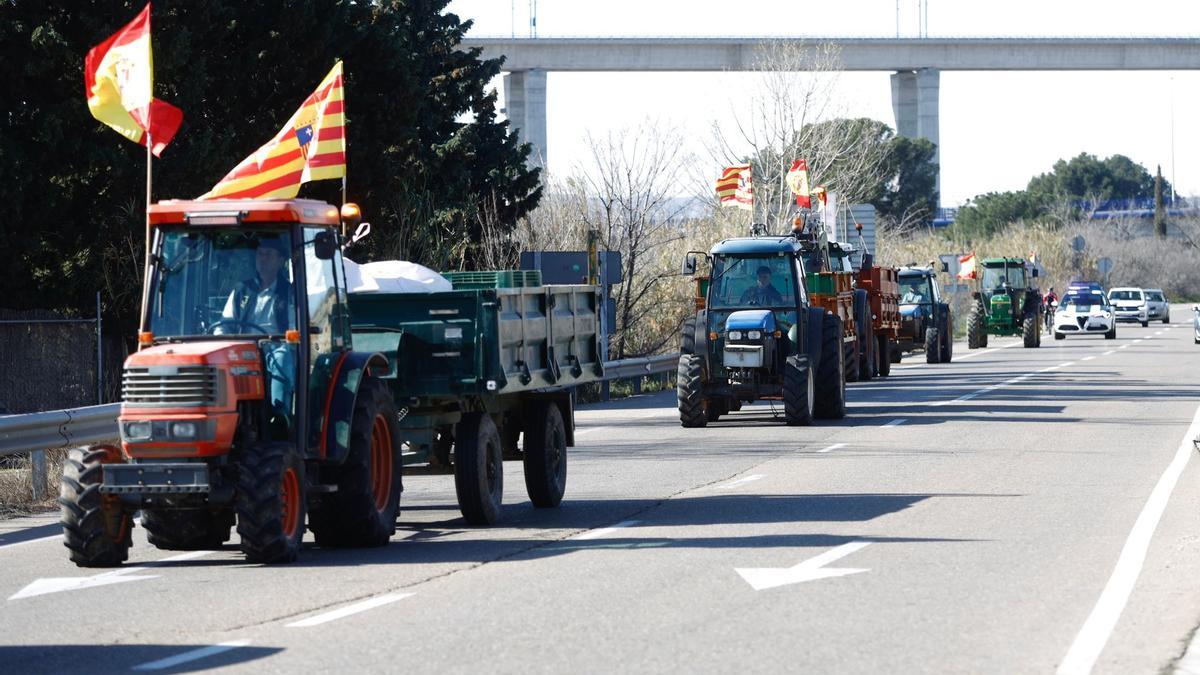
(1123, 347)
(1190, 663)
(1014, 380)
(741, 481)
(1109, 352)
(60, 584)
(833, 447)
(203, 652)
(896, 423)
(762, 578)
(349, 610)
(968, 355)
(32, 541)
(1100, 623)
(580, 432)
(605, 531)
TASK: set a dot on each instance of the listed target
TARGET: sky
(998, 129)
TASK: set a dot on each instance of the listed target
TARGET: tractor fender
(699, 341)
(336, 413)
(812, 347)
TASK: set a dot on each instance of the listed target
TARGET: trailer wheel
(850, 353)
(831, 378)
(689, 390)
(867, 366)
(96, 528)
(933, 346)
(478, 469)
(798, 391)
(271, 503)
(362, 513)
(884, 353)
(545, 455)
(187, 529)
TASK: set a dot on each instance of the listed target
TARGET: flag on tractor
(735, 187)
(311, 146)
(119, 77)
(966, 266)
(797, 181)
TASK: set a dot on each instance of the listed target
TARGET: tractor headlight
(735, 335)
(138, 431)
(754, 335)
(184, 431)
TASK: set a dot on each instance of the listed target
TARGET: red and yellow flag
(797, 181)
(966, 266)
(311, 146)
(119, 77)
(735, 187)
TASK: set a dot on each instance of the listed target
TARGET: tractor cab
(1004, 284)
(1006, 303)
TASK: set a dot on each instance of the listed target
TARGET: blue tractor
(756, 337)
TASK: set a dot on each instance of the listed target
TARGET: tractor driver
(264, 304)
(762, 292)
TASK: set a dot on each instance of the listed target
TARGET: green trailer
(484, 373)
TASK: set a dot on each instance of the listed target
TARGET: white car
(1082, 313)
(1129, 304)
(1157, 306)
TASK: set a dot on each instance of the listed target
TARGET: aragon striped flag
(735, 187)
(311, 146)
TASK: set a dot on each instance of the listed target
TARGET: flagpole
(146, 264)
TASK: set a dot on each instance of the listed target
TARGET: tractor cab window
(1000, 275)
(915, 290)
(753, 282)
(222, 282)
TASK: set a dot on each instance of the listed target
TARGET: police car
(1083, 312)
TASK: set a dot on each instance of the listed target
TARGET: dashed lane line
(833, 447)
(605, 531)
(1011, 381)
(193, 655)
(896, 422)
(349, 610)
(740, 482)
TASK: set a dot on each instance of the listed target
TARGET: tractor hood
(216, 352)
(751, 319)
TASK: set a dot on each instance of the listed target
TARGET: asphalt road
(1014, 511)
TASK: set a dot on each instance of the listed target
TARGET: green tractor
(1005, 303)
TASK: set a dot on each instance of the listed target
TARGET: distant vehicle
(1085, 286)
(1196, 324)
(1157, 306)
(1084, 313)
(1129, 305)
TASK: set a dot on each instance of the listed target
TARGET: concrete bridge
(916, 63)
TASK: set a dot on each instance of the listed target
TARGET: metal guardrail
(98, 424)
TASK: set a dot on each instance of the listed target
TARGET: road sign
(1104, 265)
(1078, 243)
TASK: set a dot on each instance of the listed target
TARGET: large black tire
(830, 382)
(716, 408)
(362, 513)
(687, 336)
(188, 529)
(545, 455)
(977, 335)
(1060, 336)
(799, 391)
(884, 351)
(1029, 331)
(947, 324)
(271, 503)
(867, 366)
(850, 353)
(96, 529)
(478, 469)
(734, 405)
(689, 390)
(933, 344)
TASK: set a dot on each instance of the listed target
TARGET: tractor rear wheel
(478, 469)
(96, 528)
(1029, 330)
(798, 391)
(933, 345)
(850, 355)
(884, 355)
(187, 529)
(830, 383)
(689, 390)
(716, 407)
(362, 513)
(271, 503)
(867, 365)
(545, 457)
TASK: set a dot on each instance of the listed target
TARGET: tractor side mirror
(360, 233)
(325, 245)
(689, 265)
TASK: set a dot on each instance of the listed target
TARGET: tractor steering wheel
(212, 330)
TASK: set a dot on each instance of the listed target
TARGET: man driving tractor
(762, 293)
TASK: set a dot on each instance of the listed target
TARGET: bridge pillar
(915, 103)
(525, 107)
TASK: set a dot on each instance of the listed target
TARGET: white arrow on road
(762, 578)
(59, 584)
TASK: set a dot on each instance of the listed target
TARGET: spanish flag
(735, 187)
(119, 77)
(797, 181)
(311, 146)
(966, 266)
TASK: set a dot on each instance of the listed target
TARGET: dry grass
(16, 485)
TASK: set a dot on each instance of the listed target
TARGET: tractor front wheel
(947, 330)
(798, 391)
(97, 530)
(187, 529)
(690, 391)
(478, 469)
(362, 513)
(1029, 328)
(271, 503)
(933, 345)
(831, 378)
(545, 455)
